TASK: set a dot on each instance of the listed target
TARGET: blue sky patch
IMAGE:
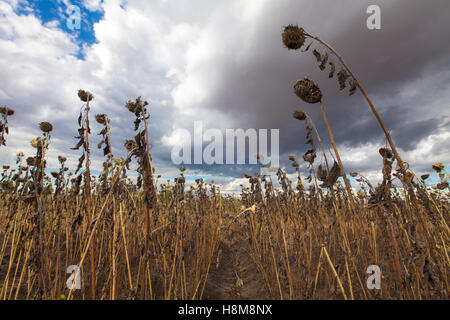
(50, 11)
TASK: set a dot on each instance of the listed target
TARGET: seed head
(354, 174)
(46, 127)
(442, 185)
(425, 176)
(293, 37)
(6, 111)
(101, 118)
(131, 106)
(62, 159)
(35, 142)
(438, 167)
(31, 161)
(85, 95)
(130, 145)
(308, 90)
(385, 153)
(299, 115)
(253, 180)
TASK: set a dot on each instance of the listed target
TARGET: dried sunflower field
(312, 238)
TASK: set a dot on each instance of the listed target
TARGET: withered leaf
(79, 144)
(137, 122)
(323, 61)
(353, 87)
(342, 78)
(321, 173)
(307, 48)
(317, 55)
(335, 173)
(333, 69)
(81, 159)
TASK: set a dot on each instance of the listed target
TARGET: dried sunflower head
(46, 127)
(299, 115)
(31, 161)
(253, 180)
(183, 168)
(385, 153)
(308, 90)
(85, 95)
(442, 185)
(293, 37)
(6, 111)
(100, 118)
(425, 176)
(62, 159)
(438, 167)
(130, 145)
(35, 142)
(131, 106)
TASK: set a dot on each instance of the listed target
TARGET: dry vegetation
(140, 241)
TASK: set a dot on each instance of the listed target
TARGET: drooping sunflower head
(308, 90)
(46, 127)
(293, 37)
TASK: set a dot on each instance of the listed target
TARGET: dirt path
(232, 261)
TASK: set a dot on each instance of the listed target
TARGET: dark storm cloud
(257, 90)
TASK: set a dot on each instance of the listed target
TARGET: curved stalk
(406, 177)
(372, 107)
(347, 184)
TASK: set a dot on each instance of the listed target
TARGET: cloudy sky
(223, 63)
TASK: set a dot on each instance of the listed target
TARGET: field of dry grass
(312, 238)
